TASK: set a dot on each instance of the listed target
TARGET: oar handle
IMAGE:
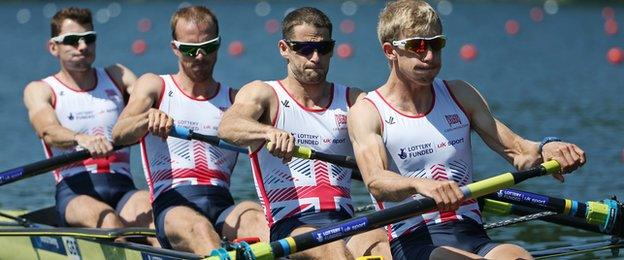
(188, 134)
(43, 166)
(346, 161)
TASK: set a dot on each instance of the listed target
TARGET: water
(551, 78)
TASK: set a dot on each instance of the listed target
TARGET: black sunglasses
(306, 48)
(74, 38)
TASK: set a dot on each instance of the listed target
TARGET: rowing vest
(177, 162)
(302, 185)
(92, 112)
(434, 146)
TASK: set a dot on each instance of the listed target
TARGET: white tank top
(176, 162)
(306, 185)
(89, 112)
(434, 146)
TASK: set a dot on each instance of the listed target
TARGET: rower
(76, 108)
(302, 109)
(188, 179)
(412, 136)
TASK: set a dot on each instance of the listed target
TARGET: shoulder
(258, 90)
(465, 94)
(149, 83)
(354, 94)
(118, 71)
(39, 88)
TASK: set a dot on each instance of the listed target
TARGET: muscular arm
(518, 151)
(123, 77)
(247, 122)
(134, 121)
(370, 153)
(38, 98)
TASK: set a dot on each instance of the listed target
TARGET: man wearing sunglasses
(302, 109)
(189, 180)
(412, 136)
(76, 108)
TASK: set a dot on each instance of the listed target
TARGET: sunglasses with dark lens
(306, 48)
(74, 38)
(193, 49)
(421, 44)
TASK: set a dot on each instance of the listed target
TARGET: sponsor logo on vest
(306, 139)
(193, 125)
(285, 103)
(170, 93)
(62, 93)
(341, 121)
(390, 120)
(416, 151)
(81, 115)
(71, 116)
(452, 119)
(334, 141)
(450, 143)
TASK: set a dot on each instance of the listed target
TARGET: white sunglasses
(420, 44)
(73, 38)
(193, 49)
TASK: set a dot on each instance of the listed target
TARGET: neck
(196, 89)
(80, 80)
(407, 96)
(309, 95)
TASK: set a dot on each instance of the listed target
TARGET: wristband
(548, 139)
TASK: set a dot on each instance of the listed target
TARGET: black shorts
(284, 227)
(112, 189)
(213, 202)
(467, 235)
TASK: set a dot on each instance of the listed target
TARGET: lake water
(551, 78)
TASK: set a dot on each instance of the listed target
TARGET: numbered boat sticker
(73, 252)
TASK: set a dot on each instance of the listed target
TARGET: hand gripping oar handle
(349, 227)
(188, 134)
(43, 166)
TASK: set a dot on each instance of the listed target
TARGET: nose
(82, 45)
(200, 54)
(428, 55)
(315, 56)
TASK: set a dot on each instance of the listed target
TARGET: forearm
(243, 131)
(389, 186)
(59, 136)
(130, 130)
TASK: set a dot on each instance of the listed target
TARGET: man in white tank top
(303, 109)
(188, 180)
(76, 108)
(412, 136)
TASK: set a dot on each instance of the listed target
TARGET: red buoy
(608, 12)
(139, 47)
(512, 27)
(615, 55)
(236, 48)
(468, 52)
(537, 14)
(144, 25)
(347, 26)
(611, 26)
(344, 51)
(271, 26)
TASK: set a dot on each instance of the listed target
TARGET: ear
(175, 50)
(53, 48)
(388, 51)
(283, 48)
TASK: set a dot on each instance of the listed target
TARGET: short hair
(197, 14)
(309, 15)
(80, 15)
(407, 17)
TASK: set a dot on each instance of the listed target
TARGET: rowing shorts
(465, 234)
(112, 189)
(284, 227)
(213, 202)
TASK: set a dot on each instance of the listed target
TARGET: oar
(304, 152)
(602, 214)
(43, 166)
(349, 227)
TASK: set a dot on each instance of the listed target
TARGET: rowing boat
(21, 238)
